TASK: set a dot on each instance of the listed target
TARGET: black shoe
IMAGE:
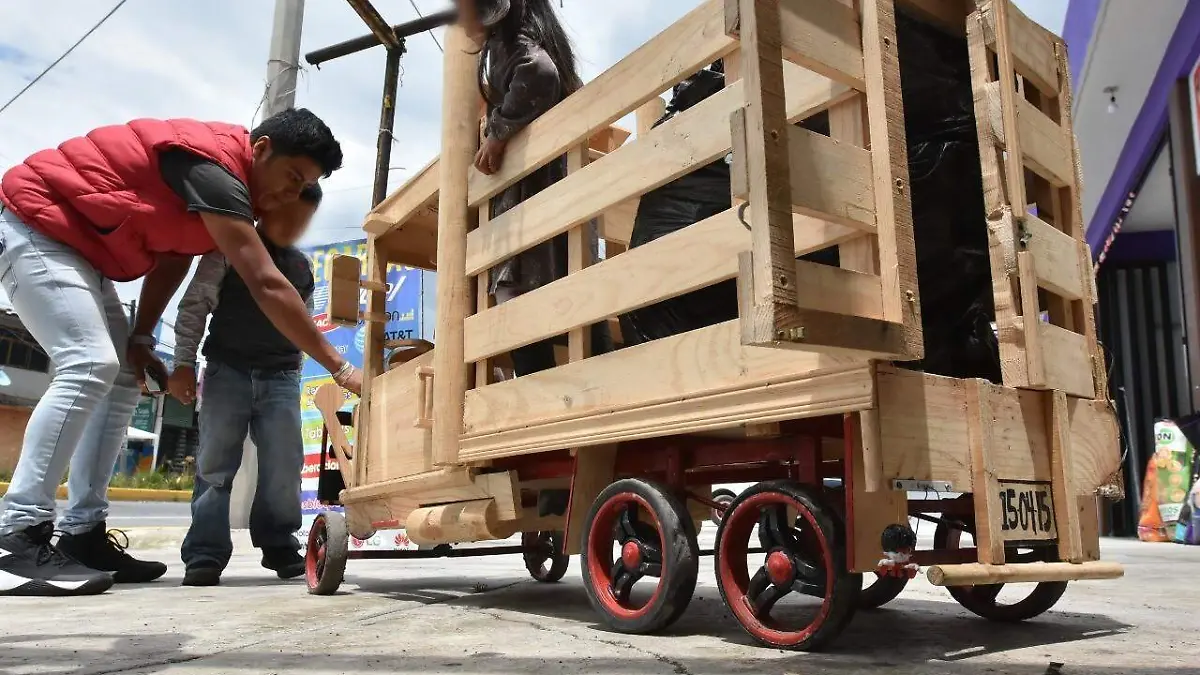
(31, 565)
(102, 550)
(202, 576)
(286, 563)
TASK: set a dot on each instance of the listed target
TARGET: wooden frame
(440, 434)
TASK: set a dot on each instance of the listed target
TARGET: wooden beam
(689, 44)
(1031, 322)
(1033, 47)
(693, 138)
(1043, 145)
(460, 139)
(981, 424)
(420, 190)
(377, 264)
(1066, 510)
(821, 35)
(697, 256)
(873, 511)
(970, 574)
(1055, 257)
(594, 470)
(1067, 361)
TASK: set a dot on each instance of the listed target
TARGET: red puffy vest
(103, 195)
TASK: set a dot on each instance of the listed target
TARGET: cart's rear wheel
(880, 591)
(544, 557)
(723, 497)
(804, 556)
(984, 600)
(654, 541)
(326, 554)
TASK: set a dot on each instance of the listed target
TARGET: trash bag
(949, 218)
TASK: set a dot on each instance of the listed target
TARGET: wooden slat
(398, 446)
(449, 484)
(689, 44)
(1033, 47)
(873, 511)
(419, 191)
(1066, 510)
(823, 36)
(377, 263)
(1031, 321)
(949, 15)
(1067, 360)
(1043, 145)
(617, 223)
(1055, 257)
(593, 471)
(1095, 444)
(981, 423)
(693, 138)
(697, 256)
(830, 179)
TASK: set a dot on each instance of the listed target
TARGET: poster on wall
(1194, 88)
(404, 301)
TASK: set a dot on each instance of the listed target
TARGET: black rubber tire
(325, 577)
(881, 591)
(721, 495)
(842, 598)
(536, 558)
(1039, 601)
(680, 558)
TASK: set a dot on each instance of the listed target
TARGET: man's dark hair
(312, 194)
(297, 132)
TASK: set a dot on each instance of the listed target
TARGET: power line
(64, 55)
(422, 16)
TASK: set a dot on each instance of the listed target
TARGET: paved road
(485, 616)
(126, 515)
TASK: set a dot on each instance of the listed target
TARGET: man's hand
(182, 384)
(353, 382)
(144, 364)
(490, 156)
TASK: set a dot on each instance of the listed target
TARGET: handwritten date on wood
(1026, 511)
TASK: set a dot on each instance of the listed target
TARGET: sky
(208, 60)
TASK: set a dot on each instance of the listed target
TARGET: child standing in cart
(252, 385)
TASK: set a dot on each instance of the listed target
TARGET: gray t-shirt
(205, 185)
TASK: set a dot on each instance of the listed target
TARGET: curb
(129, 494)
(164, 538)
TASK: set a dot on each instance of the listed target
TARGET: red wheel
(984, 600)
(326, 554)
(544, 557)
(636, 531)
(804, 557)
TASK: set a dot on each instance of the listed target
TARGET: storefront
(1135, 71)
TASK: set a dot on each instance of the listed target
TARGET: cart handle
(424, 398)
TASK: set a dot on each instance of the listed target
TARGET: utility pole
(283, 65)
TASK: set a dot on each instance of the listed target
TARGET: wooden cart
(800, 392)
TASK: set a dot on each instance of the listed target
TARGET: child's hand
(182, 384)
(490, 156)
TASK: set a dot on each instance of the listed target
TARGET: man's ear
(261, 148)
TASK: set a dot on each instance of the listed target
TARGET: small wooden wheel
(804, 556)
(637, 531)
(326, 554)
(544, 557)
(984, 600)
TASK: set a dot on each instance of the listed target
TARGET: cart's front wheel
(803, 556)
(637, 531)
(544, 557)
(326, 554)
(880, 591)
(984, 599)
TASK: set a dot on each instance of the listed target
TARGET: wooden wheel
(544, 557)
(880, 591)
(326, 554)
(984, 600)
(804, 556)
(636, 531)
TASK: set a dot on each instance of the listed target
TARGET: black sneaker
(31, 565)
(104, 550)
(202, 575)
(287, 563)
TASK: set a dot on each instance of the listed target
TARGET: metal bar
(387, 123)
(401, 30)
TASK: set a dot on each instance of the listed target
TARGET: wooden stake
(980, 425)
(1062, 474)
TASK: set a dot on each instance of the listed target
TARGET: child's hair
(537, 21)
(312, 194)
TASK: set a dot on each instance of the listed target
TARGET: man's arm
(157, 288)
(197, 304)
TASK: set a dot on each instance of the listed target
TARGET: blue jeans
(267, 405)
(76, 316)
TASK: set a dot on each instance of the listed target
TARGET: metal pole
(283, 63)
(402, 30)
(387, 122)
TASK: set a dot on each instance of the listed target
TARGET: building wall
(12, 430)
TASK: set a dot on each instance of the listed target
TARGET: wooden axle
(970, 574)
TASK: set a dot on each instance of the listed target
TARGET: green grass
(146, 480)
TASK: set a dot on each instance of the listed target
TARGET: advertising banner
(405, 290)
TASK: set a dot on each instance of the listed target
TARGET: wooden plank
(697, 256)
(377, 264)
(460, 135)
(503, 488)
(830, 180)
(1033, 47)
(635, 393)
(1014, 172)
(872, 511)
(691, 139)
(1055, 258)
(1042, 143)
(1095, 444)
(442, 482)
(822, 36)
(949, 15)
(418, 192)
(986, 488)
(485, 372)
(1066, 510)
(616, 224)
(889, 156)
(1031, 322)
(1067, 361)
(847, 123)
(594, 470)
(1089, 526)
(399, 447)
(1028, 511)
(579, 256)
(696, 40)
(344, 279)
(328, 400)
(923, 427)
